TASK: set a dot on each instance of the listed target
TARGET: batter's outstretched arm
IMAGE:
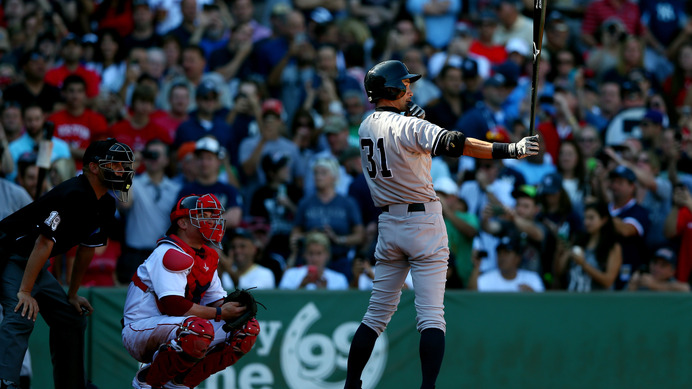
(456, 144)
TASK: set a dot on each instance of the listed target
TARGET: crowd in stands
(259, 103)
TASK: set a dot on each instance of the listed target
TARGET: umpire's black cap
(97, 150)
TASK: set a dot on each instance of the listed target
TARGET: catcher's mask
(115, 162)
(206, 213)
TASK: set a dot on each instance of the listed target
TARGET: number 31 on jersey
(373, 167)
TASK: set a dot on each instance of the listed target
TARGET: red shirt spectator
(137, 138)
(684, 231)
(72, 53)
(601, 10)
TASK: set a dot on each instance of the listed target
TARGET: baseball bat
(45, 151)
(539, 7)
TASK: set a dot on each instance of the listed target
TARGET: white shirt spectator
(257, 276)
(294, 276)
(492, 281)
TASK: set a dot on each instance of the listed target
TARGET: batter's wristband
(502, 151)
(218, 314)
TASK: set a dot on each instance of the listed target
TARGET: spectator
(424, 90)
(76, 124)
(377, 16)
(204, 121)
(508, 277)
(630, 62)
(333, 214)
(209, 154)
(675, 86)
(276, 201)
(461, 226)
(27, 175)
(138, 130)
(631, 222)
(108, 60)
(625, 124)
(315, 274)
(484, 45)
(71, 54)
(245, 115)
(143, 33)
(660, 275)
(269, 141)
(512, 23)
(609, 104)
(594, 262)
(268, 53)
(535, 167)
(439, 18)
(152, 196)
(336, 133)
(12, 198)
(487, 120)
(231, 60)
(179, 100)
(34, 120)
(11, 120)
(239, 268)
(573, 169)
(194, 64)
(33, 89)
(679, 226)
(600, 12)
(188, 11)
(557, 212)
(243, 12)
(115, 14)
(364, 274)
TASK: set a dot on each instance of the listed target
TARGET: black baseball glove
(245, 298)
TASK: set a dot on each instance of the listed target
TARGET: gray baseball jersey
(396, 156)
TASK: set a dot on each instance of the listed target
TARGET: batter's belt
(401, 209)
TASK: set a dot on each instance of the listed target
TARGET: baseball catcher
(178, 320)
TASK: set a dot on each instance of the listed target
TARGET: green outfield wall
(533, 341)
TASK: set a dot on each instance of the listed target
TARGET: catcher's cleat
(139, 382)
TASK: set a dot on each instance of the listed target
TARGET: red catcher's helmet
(205, 212)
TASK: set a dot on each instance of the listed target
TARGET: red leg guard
(223, 355)
(176, 357)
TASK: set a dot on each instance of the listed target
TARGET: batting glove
(415, 110)
(524, 148)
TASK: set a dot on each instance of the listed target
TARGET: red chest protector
(202, 271)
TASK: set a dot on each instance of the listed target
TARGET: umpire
(396, 155)
(73, 213)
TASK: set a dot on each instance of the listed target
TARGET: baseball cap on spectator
(629, 87)
(186, 149)
(463, 29)
(550, 184)
(334, 124)
(525, 191)
(257, 225)
(487, 15)
(272, 107)
(273, 162)
(209, 144)
(446, 185)
(510, 70)
(4, 40)
(653, 116)
(469, 68)
(242, 233)
(623, 172)
(509, 243)
(321, 15)
(71, 38)
(556, 21)
(31, 55)
(280, 9)
(667, 255)
(90, 39)
(517, 45)
(206, 88)
(497, 80)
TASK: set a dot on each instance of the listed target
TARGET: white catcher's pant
(144, 337)
(415, 240)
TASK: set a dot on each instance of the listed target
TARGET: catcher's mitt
(244, 297)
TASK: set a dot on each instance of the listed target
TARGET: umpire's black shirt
(70, 214)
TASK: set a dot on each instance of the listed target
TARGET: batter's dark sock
(361, 347)
(432, 349)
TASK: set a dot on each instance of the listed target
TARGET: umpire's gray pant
(66, 328)
(415, 241)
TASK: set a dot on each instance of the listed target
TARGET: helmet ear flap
(393, 93)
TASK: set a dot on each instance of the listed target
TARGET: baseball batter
(174, 311)
(396, 153)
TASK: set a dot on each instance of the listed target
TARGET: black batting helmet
(383, 81)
